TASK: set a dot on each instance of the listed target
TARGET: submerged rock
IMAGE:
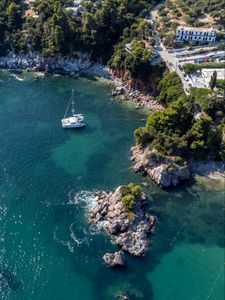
(114, 259)
(129, 229)
(165, 171)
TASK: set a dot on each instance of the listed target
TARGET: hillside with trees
(201, 13)
(100, 29)
(10, 25)
(96, 29)
(176, 132)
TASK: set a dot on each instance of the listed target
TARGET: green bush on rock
(129, 193)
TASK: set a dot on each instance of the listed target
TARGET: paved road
(171, 62)
(167, 57)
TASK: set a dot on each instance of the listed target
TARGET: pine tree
(213, 79)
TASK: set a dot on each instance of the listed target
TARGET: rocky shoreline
(123, 91)
(79, 64)
(170, 171)
(34, 62)
(129, 229)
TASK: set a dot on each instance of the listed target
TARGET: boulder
(114, 259)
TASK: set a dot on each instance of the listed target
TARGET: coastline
(78, 65)
(121, 90)
(168, 172)
(211, 170)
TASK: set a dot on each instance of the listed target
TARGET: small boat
(76, 120)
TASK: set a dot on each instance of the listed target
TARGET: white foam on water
(73, 236)
(64, 243)
(96, 228)
(86, 198)
(17, 77)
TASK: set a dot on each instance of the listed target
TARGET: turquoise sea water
(47, 249)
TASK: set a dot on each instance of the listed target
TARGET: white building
(206, 35)
(74, 9)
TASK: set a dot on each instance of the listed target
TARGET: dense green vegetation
(129, 193)
(136, 62)
(210, 102)
(96, 29)
(100, 29)
(220, 84)
(170, 88)
(175, 132)
(10, 24)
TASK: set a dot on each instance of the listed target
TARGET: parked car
(206, 59)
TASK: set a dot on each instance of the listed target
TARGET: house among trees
(196, 34)
(74, 9)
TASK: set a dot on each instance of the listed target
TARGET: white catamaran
(76, 120)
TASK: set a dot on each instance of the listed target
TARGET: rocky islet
(128, 229)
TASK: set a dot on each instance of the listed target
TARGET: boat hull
(73, 125)
(76, 121)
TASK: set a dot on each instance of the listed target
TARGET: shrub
(177, 160)
(124, 190)
(170, 88)
(129, 193)
(170, 169)
(135, 189)
(142, 136)
(129, 202)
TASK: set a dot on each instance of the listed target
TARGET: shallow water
(47, 249)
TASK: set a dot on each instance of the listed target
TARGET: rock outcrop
(57, 64)
(128, 229)
(124, 91)
(165, 171)
(114, 259)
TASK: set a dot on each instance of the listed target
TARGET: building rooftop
(196, 29)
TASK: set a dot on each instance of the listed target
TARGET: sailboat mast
(73, 109)
(71, 100)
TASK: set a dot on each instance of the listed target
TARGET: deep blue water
(47, 249)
